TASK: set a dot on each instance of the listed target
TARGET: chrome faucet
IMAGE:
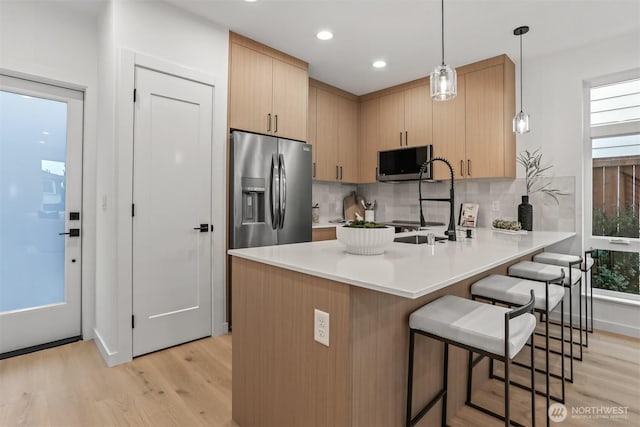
(451, 230)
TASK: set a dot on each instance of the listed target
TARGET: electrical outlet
(321, 327)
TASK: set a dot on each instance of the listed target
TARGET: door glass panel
(33, 134)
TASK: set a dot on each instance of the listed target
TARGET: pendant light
(443, 78)
(521, 120)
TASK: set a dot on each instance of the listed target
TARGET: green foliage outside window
(614, 270)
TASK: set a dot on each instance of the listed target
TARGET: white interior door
(172, 201)
(40, 186)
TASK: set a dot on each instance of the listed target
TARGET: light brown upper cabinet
(336, 133)
(312, 127)
(268, 90)
(489, 109)
(449, 134)
(405, 118)
(369, 139)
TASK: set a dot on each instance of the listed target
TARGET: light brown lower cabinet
(324, 233)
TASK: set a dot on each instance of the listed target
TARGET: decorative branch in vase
(535, 183)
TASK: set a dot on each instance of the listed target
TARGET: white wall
(43, 40)
(169, 34)
(553, 96)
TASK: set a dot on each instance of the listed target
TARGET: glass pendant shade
(443, 83)
(521, 123)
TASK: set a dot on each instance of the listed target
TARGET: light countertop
(405, 270)
(325, 225)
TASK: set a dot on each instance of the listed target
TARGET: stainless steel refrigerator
(270, 191)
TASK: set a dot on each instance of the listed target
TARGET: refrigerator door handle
(283, 190)
(275, 192)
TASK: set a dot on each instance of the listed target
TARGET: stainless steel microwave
(403, 164)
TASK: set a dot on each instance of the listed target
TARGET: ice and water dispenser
(253, 200)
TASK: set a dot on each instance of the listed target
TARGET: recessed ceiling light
(41, 142)
(379, 64)
(44, 132)
(324, 35)
(250, 1)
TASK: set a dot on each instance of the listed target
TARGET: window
(614, 129)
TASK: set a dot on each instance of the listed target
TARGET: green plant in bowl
(364, 224)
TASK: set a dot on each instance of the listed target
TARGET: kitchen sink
(417, 239)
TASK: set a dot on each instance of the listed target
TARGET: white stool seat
(473, 324)
(543, 272)
(563, 260)
(517, 291)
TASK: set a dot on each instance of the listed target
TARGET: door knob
(203, 228)
(73, 232)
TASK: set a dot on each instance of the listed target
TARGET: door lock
(203, 228)
(73, 232)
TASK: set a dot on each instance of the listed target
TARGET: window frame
(603, 131)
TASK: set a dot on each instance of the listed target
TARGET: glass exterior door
(40, 186)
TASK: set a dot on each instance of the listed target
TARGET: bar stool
(491, 331)
(543, 272)
(569, 261)
(514, 291)
(587, 269)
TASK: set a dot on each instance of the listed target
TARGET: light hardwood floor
(190, 385)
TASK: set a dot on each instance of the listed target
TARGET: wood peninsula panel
(282, 377)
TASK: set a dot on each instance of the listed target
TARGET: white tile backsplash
(497, 199)
(329, 196)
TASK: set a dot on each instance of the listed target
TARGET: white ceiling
(406, 33)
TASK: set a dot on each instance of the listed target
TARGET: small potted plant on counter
(534, 174)
(365, 238)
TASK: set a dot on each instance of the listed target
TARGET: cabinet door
(392, 121)
(250, 90)
(369, 139)
(327, 137)
(290, 98)
(449, 134)
(484, 123)
(348, 139)
(312, 126)
(417, 116)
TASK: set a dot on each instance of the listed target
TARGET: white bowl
(365, 241)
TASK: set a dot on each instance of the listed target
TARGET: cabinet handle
(269, 122)
(314, 170)
(275, 126)
(400, 139)
(337, 172)
(469, 167)
(406, 138)
(340, 173)
(461, 167)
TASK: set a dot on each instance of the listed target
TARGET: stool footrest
(493, 414)
(427, 407)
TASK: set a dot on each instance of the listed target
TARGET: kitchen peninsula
(283, 377)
